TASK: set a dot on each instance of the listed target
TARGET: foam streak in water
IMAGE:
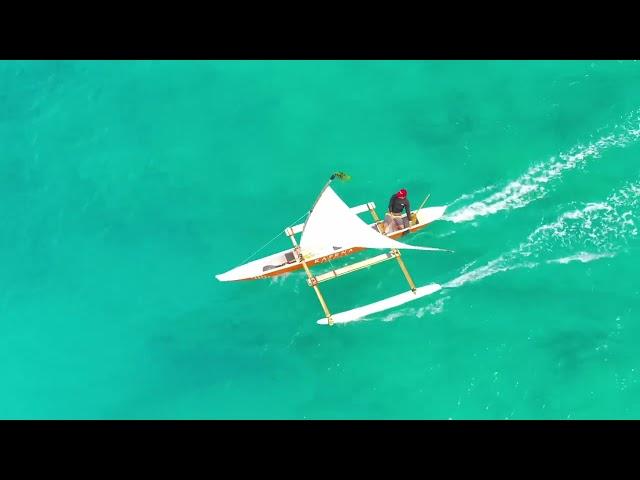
(583, 257)
(603, 228)
(535, 183)
(434, 309)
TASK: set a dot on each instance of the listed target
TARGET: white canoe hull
(282, 262)
(361, 312)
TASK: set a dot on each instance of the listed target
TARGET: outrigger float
(333, 230)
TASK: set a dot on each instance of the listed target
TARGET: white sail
(332, 224)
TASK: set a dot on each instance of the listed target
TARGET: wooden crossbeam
(330, 275)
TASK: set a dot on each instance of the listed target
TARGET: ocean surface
(126, 186)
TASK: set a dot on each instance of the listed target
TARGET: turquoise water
(127, 185)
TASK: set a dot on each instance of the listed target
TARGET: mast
(341, 176)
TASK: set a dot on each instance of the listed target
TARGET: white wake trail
(536, 182)
(595, 231)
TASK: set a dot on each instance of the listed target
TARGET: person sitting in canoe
(393, 219)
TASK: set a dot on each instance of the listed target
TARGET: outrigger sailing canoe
(334, 230)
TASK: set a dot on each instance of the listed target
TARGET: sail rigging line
(340, 175)
(274, 238)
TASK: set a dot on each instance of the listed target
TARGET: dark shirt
(397, 204)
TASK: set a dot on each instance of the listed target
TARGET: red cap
(402, 193)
